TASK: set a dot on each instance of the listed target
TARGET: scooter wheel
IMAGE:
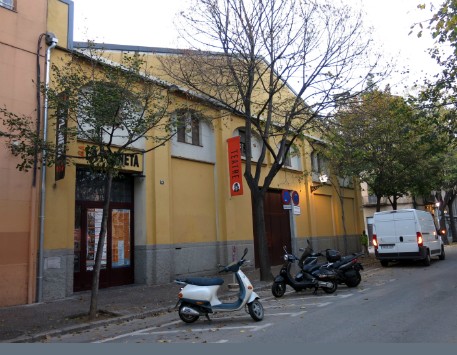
(354, 281)
(331, 289)
(187, 318)
(256, 310)
(278, 289)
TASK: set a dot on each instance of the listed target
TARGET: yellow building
(173, 212)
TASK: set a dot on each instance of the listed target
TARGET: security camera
(15, 146)
(323, 178)
(51, 39)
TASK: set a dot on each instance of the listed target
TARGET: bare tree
(277, 65)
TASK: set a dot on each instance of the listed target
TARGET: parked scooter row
(326, 275)
(199, 295)
(347, 267)
(309, 275)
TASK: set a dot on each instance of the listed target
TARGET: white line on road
(150, 331)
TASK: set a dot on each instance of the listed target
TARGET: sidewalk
(31, 323)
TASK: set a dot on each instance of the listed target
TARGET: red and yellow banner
(235, 168)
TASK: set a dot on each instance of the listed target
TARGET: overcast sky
(150, 23)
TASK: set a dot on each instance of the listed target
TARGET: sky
(150, 23)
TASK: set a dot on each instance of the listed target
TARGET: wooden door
(277, 227)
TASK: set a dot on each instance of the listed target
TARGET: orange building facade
(23, 46)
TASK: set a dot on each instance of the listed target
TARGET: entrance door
(117, 260)
(277, 226)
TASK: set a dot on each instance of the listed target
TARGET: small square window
(9, 4)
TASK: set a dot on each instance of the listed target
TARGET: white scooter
(199, 297)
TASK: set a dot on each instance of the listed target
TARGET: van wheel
(427, 261)
(384, 263)
(442, 255)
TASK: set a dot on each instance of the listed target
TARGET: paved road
(404, 303)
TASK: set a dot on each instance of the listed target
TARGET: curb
(90, 325)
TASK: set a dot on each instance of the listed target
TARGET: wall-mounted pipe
(51, 41)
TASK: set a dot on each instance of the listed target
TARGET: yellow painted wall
(322, 217)
(57, 21)
(193, 196)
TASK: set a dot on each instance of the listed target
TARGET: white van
(406, 234)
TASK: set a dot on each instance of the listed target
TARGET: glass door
(117, 256)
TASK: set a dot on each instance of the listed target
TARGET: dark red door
(277, 226)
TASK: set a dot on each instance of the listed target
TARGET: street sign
(286, 197)
(295, 198)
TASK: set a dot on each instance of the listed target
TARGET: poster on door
(120, 226)
(94, 223)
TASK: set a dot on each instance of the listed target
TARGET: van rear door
(385, 232)
(396, 232)
(406, 230)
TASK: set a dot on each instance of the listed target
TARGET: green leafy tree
(380, 139)
(440, 93)
(110, 106)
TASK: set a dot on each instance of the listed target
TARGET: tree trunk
(259, 222)
(442, 219)
(378, 203)
(395, 203)
(345, 241)
(414, 202)
(451, 218)
(101, 243)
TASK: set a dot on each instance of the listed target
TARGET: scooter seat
(204, 281)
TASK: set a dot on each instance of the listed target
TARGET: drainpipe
(51, 41)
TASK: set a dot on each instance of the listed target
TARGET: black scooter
(347, 267)
(308, 277)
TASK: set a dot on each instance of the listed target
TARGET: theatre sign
(132, 160)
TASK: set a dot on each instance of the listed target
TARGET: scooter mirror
(245, 252)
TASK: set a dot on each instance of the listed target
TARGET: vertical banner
(235, 170)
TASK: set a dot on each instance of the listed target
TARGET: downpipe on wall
(51, 41)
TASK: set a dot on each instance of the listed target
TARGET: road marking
(261, 327)
(292, 314)
(298, 314)
(150, 331)
(252, 328)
